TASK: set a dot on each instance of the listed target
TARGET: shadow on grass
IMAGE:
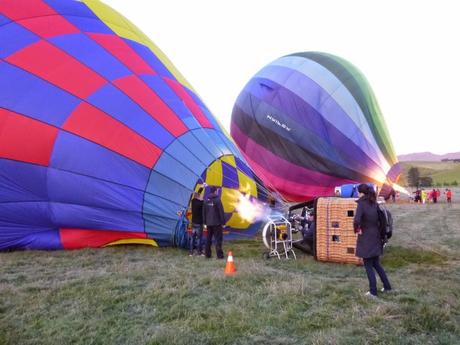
(397, 257)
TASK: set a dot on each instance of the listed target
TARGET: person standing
(424, 196)
(434, 196)
(449, 196)
(214, 221)
(196, 237)
(369, 245)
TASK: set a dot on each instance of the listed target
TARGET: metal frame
(274, 240)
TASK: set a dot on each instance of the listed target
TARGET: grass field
(139, 295)
(440, 172)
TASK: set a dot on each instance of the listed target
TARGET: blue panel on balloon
(244, 168)
(185, 155)
(44, 101)
(4, 20)
(147, 55)
(88, 217)
(75, 8)
(22, 215)
(190, 139)
(93, 192)
(161, 230)
(230, 176)
(30, 238)
(121, 107)
(204, 136)
(219, 145)
(176, 171)
(22, 38)
(162, 186)
(21, 181)
(93, 160)
(92, 55)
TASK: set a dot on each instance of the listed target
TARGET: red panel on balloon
(91, 123)
(137, 90)
(123, 52)
(82, 238)
(57, 67)
(25, 139)
(37, 17)
(189, 102)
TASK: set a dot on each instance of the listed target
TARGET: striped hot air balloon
(309, 122)
(102, 140)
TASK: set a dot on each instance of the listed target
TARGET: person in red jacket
(449, 196)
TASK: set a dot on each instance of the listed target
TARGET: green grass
(440, 172)
(139, 295)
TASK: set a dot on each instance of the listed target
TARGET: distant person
(214, 221)
(434, 196)
(196, 237)
(438, 194)
(369, 245)
(418, 195)
(424, 195)
(449, 196)
(393, 195)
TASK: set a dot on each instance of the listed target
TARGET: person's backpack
(385, 223)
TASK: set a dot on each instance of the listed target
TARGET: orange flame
(250, 210)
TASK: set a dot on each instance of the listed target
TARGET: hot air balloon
(309, 122)
(102, 140)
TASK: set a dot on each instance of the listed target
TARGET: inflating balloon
(309, 122)
(102, 140)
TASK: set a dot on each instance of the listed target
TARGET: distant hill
(440, 172)
(428, 157)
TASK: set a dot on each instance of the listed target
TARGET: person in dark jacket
(369, 245)
(214, 220)
(196, 237)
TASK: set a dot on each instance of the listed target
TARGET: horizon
(218, 57)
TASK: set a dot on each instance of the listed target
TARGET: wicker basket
(335, 237)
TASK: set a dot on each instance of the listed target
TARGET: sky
(408, 50)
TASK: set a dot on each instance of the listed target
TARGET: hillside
(440, 172)
(427, 156)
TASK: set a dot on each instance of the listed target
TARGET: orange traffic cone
(230, 266)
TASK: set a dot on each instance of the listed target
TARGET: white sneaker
(386, 291)
(369, 295)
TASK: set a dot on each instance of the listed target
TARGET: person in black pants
(369, 245)
(214, 220)
(196, 237)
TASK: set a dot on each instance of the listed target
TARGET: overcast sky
(408, 50)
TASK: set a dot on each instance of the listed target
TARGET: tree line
(415, 180)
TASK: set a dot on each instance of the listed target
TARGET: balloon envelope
(309, 122)
(102, 140)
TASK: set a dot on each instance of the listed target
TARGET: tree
(455, 183)
(446, 184)
(413, 177)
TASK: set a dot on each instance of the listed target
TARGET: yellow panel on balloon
(229, 159)
(247, 185)
(229, 199)
(236, 222)
(214, 174)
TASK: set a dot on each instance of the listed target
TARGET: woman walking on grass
(369, 245)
